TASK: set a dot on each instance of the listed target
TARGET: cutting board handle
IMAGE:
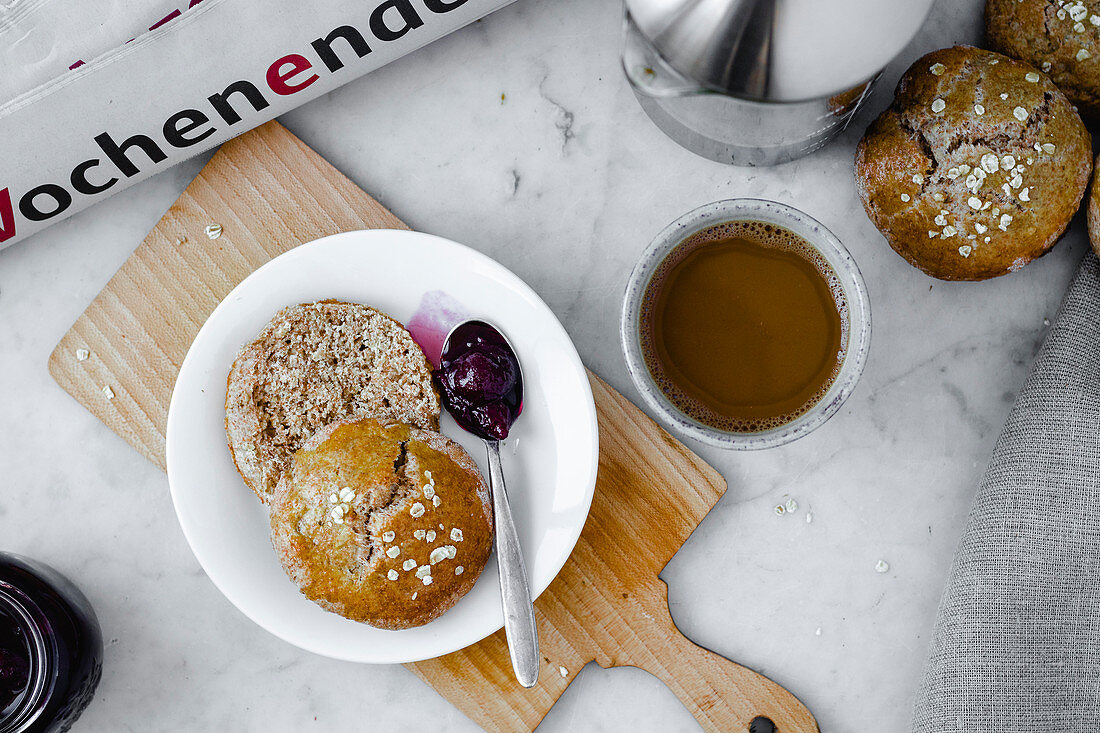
(721, 695)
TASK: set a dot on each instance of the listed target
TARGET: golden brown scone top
(1059, 37)
(976, 168)
(383, 524)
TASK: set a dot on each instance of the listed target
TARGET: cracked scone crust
(382, 523)
(315, 363)
(977, 167)
(1058, 37)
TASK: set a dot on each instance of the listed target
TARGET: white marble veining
(519, 136)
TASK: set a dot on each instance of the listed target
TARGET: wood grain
(270, 192)
(608, 605)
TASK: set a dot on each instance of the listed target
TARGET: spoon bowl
(481, 379)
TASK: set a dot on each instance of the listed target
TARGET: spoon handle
(515, 594)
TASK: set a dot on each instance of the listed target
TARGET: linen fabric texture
(1016, 643)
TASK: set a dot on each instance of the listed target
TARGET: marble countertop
(519, 136)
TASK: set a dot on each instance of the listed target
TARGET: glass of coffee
(745, 324)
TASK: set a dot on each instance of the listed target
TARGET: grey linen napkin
(1016, 645)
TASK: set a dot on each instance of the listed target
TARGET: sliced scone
(314, 364)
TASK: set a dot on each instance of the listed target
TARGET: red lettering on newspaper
(7, 217)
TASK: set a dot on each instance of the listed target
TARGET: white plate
(549, 459)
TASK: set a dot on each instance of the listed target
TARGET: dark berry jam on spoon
(481, 382)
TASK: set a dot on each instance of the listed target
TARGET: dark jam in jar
(480, 380)
(51, 650)
(15, 663)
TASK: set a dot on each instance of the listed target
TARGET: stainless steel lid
(778, 50)
(722, 44)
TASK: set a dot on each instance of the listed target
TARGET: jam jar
(51, 650)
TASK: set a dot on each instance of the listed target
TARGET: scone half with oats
(382, 523)
(311, 365)
(976, 168)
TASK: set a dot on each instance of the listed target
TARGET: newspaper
(96, 95)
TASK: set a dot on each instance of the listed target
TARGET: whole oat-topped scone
(382, 523)
(311, 365)
(1094, 215)
(976, 168)
(1059, 37)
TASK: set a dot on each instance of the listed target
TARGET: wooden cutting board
(270, 192)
